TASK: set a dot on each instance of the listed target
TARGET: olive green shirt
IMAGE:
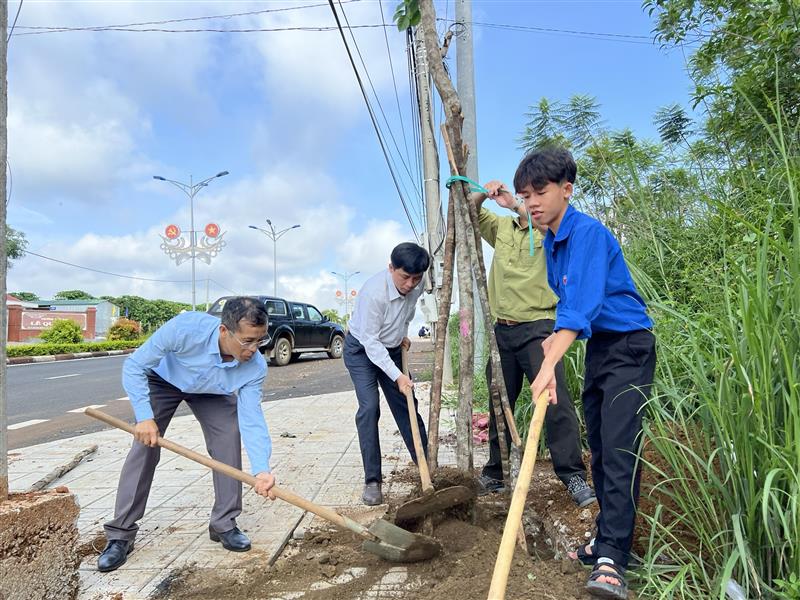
(518, 288)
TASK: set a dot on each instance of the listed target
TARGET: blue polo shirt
(587, 271)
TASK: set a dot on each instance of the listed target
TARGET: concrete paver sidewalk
(315, 454)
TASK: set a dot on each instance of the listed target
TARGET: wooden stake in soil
(502, 566)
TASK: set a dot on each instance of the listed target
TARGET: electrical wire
(372, 117)
(181, 20)
(380, 106)
(14, 24)
(63, 262)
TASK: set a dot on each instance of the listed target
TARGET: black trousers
(366, 378)
(521, 354)
(618, 381)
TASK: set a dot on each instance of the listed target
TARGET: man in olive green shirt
(524, 308)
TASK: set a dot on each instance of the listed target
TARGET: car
(294, 328)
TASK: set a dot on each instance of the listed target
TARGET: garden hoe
(382, 538)
(432, 500)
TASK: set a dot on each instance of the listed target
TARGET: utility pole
(274, 236)
(433, 203)
(465, 72)
(3, 251)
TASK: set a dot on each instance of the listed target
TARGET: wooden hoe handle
(497, 590)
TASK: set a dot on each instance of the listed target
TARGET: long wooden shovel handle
(239, 475)
(497, 590)
(422, 463)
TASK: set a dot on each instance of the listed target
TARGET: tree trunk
(441, 339)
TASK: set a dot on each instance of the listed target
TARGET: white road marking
(64, 376)
(27, 423)
(80, 410)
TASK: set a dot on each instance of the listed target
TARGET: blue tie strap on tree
(477, 187)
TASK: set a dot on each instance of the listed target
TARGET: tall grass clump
(722, 453)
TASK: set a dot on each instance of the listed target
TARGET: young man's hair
(551, 164)
(244, 308)
(412, 258)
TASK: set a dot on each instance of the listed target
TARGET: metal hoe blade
(398, 545)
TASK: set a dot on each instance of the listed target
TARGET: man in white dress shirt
(378, 330)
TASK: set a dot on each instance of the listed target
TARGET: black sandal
(600, 589)
(586, 559)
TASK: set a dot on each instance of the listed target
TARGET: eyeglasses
(254, 344)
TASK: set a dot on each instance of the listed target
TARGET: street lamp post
(191, 189)
(274, 236)
(346, 276)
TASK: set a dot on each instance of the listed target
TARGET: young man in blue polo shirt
(598, 302)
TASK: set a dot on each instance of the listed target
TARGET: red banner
(35, 320)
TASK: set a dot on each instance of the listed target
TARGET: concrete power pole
(465, 85)
(3, 249)
(433, 203)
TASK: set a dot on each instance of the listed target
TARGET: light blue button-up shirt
(185, 352)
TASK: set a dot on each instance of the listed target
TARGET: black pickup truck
(294, 328)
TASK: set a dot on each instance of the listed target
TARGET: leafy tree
(25, 296)
(748, 55)
(334, 316)
(73, 295)
(150, 313)
(407, 14)
(63, 331)
(15, 243)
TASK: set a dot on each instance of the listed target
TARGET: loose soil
(328, 564)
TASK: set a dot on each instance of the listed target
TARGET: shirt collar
(567, 223)
(213, 348)
(392, 291)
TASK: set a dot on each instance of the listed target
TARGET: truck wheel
(283, 352)
(337, 347)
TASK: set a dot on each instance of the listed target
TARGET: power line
(378, 101)
(205, 30)
(171, 21)
(63, 262)
(14, 24)
(372, 118)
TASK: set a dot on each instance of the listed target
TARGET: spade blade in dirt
(399, 545)
(434, 502)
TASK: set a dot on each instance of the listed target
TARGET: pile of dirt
(328, 564)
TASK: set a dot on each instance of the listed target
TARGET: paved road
(41, 396)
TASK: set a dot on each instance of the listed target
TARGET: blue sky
(93, 115)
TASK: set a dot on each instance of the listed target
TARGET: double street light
(346, 276)
(274, 236)
(191, 189)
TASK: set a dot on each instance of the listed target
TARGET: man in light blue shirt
(214, 365)
(377, 331)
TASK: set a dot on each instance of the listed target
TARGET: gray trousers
(218, 418)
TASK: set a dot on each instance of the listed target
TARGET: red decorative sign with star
(352, 292)
(212, 230)
(172, 231)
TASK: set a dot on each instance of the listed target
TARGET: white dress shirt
(381, 317)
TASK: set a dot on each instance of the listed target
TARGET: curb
(24, 360)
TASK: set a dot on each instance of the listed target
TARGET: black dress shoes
(114, 555)
(233, 540)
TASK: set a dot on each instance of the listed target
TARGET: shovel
(502, 566)
(381, 537)
(432, 500)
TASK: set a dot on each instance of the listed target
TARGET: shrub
(63, 331)
(124, 329)
(48, 349)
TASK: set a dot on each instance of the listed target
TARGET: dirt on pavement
(328, 564)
